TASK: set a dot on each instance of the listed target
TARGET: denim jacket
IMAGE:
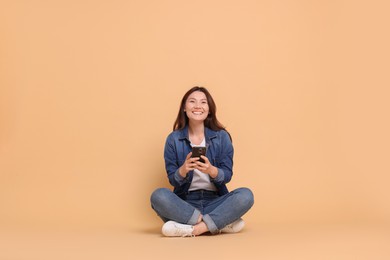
(219, 152)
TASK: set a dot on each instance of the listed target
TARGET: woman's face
(196, 107)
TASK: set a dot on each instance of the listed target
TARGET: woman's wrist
(182, 172)
(213, 172)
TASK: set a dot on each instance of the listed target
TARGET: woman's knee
(245, 197)
(159, 196)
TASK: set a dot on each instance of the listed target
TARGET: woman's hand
(207, 167)
(188, 165)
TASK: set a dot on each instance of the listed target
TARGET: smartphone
(197, 151)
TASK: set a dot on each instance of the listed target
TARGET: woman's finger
(188, 156)
(206, 160)
(194, 159)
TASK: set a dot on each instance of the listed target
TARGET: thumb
(189, 156)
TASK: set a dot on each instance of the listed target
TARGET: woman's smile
(197, 112)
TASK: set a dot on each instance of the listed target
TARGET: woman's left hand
(207, 167)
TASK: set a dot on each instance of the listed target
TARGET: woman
(200, 201)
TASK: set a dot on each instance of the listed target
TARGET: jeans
(218, 211)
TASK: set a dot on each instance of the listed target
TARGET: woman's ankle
(200, 219)
(200, 228)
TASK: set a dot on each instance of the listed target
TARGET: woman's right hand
(188, 165)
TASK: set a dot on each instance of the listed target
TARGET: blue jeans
(218, 211)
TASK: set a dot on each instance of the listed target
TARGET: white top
(201, 181)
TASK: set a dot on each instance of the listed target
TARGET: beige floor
(269, 242)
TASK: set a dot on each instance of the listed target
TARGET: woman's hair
(211, 121)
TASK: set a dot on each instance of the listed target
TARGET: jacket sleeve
(225, 164)
(172, 164)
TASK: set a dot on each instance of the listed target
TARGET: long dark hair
(211, 121)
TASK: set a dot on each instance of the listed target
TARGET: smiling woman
(200, 201)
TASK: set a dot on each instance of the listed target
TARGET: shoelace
(230, 226)
(180, 231)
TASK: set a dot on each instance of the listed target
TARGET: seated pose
(199, 161)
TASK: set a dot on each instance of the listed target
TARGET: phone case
(198, 151)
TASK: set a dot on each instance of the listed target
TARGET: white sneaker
(234, 227)
(174, 229)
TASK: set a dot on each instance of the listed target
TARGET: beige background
(89, 91)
